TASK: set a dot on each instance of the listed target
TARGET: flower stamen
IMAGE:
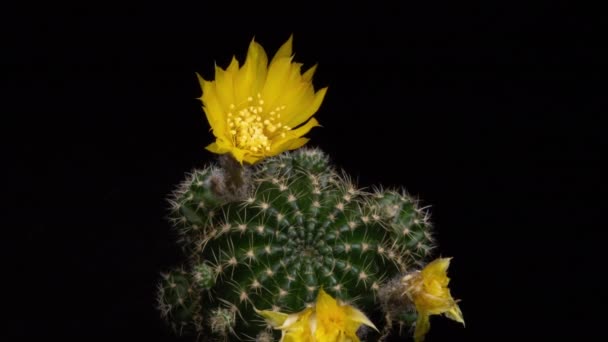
(251, 129)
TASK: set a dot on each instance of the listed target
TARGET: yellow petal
(285, 50)
(349, 337)
(279, 71)
(436, 268)
(215, 148)
(357, 316)
(259, 60)
(251, 158)
(250, 78)
(455, 314)
(282, 144)
(297, 94)
(234, 66)
(422, 327)
(278, 74)
(295, 318)
(239, 154)
(296, 143)
(274, 318)
(305, 128)
(212, 107)
(297, 327)
(308, 112)
(307, 76)
(224, 87)
(292, 337)
(297, 97)
(325, 302)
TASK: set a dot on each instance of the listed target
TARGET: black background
(488, 113)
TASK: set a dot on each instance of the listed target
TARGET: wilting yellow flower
(260, 109)
(327, 320)
(429, 291)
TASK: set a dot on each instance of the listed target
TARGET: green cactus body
(295, 225)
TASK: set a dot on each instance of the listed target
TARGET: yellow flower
(260, 109)
(429, 291)
(328, 320)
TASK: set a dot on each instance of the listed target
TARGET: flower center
(252, 128)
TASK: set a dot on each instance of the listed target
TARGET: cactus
(279, 241)
(269, 236)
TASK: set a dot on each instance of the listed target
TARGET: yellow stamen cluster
(251, 129)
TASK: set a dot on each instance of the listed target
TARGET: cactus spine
(290, 225)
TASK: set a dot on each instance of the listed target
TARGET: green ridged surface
(300, 226)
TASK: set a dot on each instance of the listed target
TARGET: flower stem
(234, 180)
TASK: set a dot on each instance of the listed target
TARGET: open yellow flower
(428, 290)
(329, 320)
(260, 109)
